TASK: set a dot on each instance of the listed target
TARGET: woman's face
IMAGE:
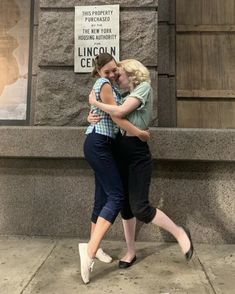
(123, 80)
(109, 71)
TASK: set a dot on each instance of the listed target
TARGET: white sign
(96, 31)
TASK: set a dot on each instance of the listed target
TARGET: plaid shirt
(106, 126)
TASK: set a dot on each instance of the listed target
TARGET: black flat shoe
(189, 254)
(125, 264)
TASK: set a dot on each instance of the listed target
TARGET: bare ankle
(90, 253)
(131, 252)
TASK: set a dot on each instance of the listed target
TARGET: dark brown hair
(100, 61)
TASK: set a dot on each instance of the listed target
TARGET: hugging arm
(107, 98)
(118, 111)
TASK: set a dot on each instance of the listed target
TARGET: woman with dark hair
(134, 160)
(98, 152)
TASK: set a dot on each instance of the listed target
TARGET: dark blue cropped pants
(109, 194)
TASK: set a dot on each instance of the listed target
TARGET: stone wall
(147, 33)
(60, 95)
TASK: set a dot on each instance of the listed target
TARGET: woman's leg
(164, 222)
(128, 219)
(101, 227)
(109, 190)
(97, 149)
(100, 200)
(92, 228)
(97, 207)
(112, 186)
(129, 227)
(139, 202)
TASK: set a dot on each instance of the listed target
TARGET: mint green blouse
(141, 116)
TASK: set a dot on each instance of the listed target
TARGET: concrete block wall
(47, 188)
(53, 197)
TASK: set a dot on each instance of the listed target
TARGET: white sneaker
(102, 256)
(86, 263)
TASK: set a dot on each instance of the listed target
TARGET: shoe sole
(189, 254)
(81, 250)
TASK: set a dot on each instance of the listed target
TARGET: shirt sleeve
(98, 85)
(141, 92)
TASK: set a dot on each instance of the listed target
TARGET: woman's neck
(132, 87)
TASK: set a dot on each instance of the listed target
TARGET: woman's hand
(144, 135)
(92, 97)
(93, 118)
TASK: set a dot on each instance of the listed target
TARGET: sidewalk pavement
(51, 266)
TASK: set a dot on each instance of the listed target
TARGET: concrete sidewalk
(51, 266)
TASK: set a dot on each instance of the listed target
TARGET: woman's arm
(131, 129)
(95, 118)
(120, 111)
(106, 96)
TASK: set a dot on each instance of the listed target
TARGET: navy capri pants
(109, 195)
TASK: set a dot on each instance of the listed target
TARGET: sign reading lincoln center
(96, 31)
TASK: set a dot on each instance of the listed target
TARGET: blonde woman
(134, 160)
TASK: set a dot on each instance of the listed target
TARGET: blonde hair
(136, 71)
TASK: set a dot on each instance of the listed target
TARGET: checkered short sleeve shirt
(106, 126)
